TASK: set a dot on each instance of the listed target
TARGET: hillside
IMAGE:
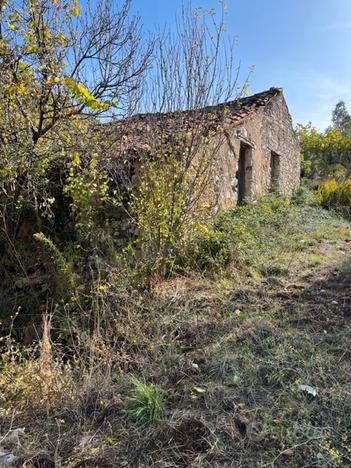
(204, 369)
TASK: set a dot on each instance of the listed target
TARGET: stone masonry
(257, 149)
(261, 151)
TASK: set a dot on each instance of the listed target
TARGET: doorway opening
(275, 170)
(242, 174)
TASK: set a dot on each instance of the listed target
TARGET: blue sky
(300, 45)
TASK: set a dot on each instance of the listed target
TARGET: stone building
(261, 151)
(256, 147)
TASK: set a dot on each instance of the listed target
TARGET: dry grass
(227, 355)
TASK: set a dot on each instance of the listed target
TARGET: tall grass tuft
(146, 402)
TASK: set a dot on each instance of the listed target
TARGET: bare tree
(58, 65)
(195, 64)
(62, 69)
(80, 63)
(178, 141)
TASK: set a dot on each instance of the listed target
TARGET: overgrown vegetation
(326, 161)
(336, 195)
(200, 371)
(324, 154)
(146, 403)
(66, 178)
(327, 154)
(180, 338)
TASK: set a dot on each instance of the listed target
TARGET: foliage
(341, 118)
(254, 237)
(29, 381)
(324, 154)
(253, 230)
(172, 199)
(305, 196)
(193, 70)
(88, 188)
(249, 234)
(47, 92)
(53, 79)
(64, 279)
(61, 70)
(231, 354)
(336, 195)
(146, 403)
(208, 250)
(64, 67)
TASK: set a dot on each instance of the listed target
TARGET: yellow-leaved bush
(336, 195)
(87, 185)
(171, 202)
(83, 95)
(324, 154)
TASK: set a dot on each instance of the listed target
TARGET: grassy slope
(229, 354)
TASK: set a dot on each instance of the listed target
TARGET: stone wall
(269, 131)
(278, 136)
(263, 126)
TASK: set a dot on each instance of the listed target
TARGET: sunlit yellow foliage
(75, 9)
(322, 151)
(87, 186)
(334, 194)
(84, 96)
(16, 88)
(172, 201)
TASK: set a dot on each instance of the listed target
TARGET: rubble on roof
(137, 131)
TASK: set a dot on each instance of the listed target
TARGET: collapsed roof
(139, 131)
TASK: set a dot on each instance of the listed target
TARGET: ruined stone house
(258, 149)
(263, 149)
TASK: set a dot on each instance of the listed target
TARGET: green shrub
(245, 224)
(336, 195)
(171, 200)
(337, 171)
(252, 231)
(64, 278)
(209, 250)
(258, 232)
(305, 196)
(146, 402)
(264, 236)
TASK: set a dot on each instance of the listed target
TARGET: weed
(233, 348)
(64, 278)
(208, 250)
(146, 403)
(304, 196)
